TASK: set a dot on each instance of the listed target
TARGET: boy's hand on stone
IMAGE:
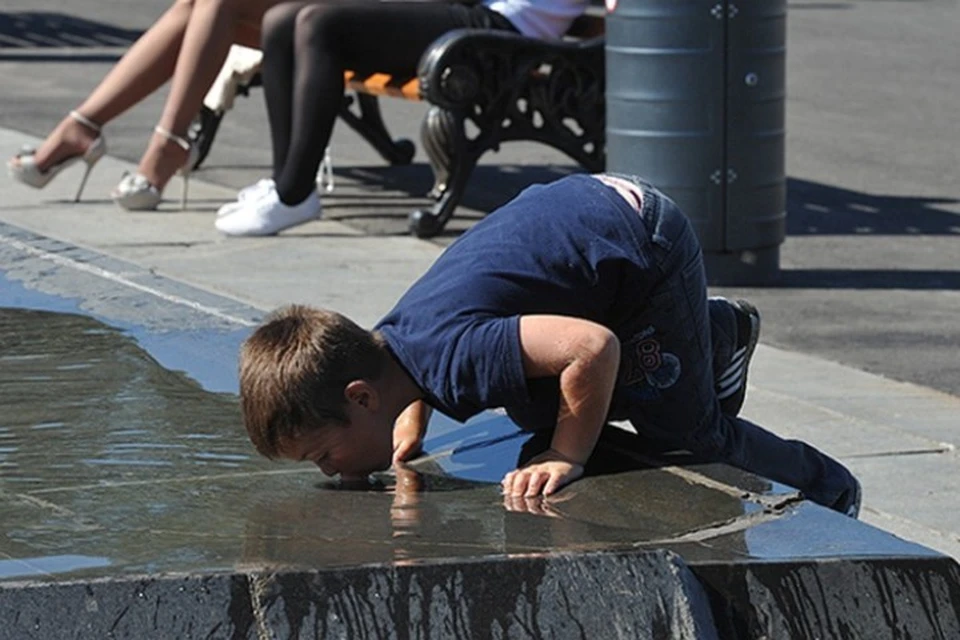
(406, 447)
(543, 475)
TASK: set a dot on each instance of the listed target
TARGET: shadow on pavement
(818, 209)
(385, 196)
(490, 186)
(813, 209)
(868, 279)
(47, 30)
(793, 6)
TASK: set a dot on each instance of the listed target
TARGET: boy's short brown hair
(293, 371)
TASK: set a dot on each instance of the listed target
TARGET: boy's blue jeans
(685, 412)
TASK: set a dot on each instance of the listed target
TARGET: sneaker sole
(222, 225)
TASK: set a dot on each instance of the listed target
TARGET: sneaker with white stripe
(731, 385)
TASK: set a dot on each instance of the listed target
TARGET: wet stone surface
(111, 464)
(114, 467)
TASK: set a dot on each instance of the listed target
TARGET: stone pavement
(870, 263)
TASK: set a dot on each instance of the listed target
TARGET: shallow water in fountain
(122, 452)
(84, 404)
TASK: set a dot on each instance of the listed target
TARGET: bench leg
(369, 124)
(436, 139)
(202, 132)
(452, 159)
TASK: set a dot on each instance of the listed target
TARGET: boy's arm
(586, 357)
(409, 429)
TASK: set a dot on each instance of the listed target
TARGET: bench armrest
(462, 63)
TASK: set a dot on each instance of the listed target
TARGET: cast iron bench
(484, 88)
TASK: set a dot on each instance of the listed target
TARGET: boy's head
(307, 391)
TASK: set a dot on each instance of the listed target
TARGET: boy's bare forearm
(585, 356)
(586, 389)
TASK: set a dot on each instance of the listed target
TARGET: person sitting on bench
(307, 48)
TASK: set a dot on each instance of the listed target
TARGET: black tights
(307, 47)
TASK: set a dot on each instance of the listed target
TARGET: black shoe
(731, 385)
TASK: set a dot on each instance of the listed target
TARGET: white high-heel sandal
(135, 193)
(25, 170)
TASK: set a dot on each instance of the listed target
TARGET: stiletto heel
(183, 191)
(83, 182)
(184, 172)
(135, 193)
(27, 171)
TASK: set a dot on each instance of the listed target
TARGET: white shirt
(543, 19)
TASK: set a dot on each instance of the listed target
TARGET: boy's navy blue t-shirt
(572, 248)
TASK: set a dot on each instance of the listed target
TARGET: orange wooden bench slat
(382, 84)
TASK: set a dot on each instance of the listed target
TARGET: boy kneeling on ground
(578, 302)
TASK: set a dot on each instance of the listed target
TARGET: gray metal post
(696, 104)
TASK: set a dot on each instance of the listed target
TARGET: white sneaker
(247, 193)
(266, 215)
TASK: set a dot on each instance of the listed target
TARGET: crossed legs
(214, 25)
(188, 43)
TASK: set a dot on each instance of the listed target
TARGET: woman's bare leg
(141, 71)
(214, 26)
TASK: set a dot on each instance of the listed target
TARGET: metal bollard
(696, 105)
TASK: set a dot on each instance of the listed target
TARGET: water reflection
(104, 454)
(83, 403)
(416, 516)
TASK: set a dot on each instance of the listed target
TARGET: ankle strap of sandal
(84, 120)
(182, 142)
